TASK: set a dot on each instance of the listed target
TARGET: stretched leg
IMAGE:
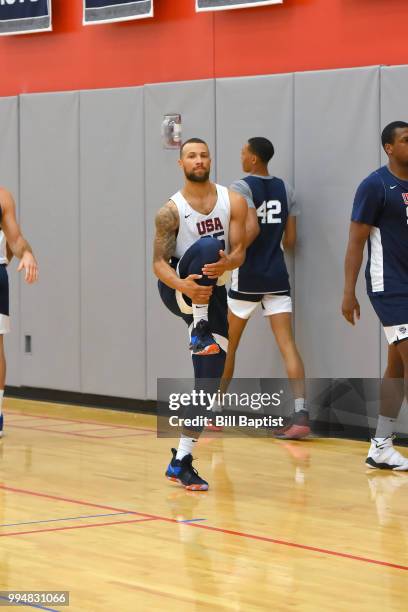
(382, 453)
(208, 363)
(205, 250)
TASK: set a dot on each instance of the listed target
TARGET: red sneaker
(297, 429)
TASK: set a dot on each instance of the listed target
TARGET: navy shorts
(4, 300)
(391, 309)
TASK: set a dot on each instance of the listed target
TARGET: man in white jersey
(12, 243)
(200, 235)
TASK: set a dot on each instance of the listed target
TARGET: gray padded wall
(246, 107)
(167, 338)
(336, 146)
(112, 243)
(50, 218)
(9, 178)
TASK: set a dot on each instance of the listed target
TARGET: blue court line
(69, 518)
(15, 605)
(192, 521)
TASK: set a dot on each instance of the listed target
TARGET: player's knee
(209, 248)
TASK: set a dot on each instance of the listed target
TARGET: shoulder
(6, 201)
(5, 195)
(240, 185)
(243, 188)
(290, 190)
(238, 202)
(167, 217)
(372, 182)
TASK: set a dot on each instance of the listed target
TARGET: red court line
(17, 533)
(55, 418)
(83, 503)
(240, 534)
(129, 435)
(56, 431)
(79, 434)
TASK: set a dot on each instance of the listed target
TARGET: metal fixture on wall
(171, 131)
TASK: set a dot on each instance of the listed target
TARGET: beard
(197, 178)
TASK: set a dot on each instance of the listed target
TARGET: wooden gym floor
(85, 508)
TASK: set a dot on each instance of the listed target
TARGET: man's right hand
(199, 294)
(350, 306)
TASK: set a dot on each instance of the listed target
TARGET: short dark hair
(388, 133)
(192, 140)
(262, 148)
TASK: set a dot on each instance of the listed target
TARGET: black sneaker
(182, 471)
(202, 340)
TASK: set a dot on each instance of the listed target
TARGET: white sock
(385, 427)
(300, 404)
(185, 447)
(1, 400)
(200, 312)
(217, 407)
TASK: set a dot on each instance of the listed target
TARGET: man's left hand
(214, 270)
(29, 265)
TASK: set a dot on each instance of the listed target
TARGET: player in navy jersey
(200, 235)
(12, 243)
(263, 277)
(380, 217)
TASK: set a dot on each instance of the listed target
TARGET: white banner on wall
(108, 11)
(222, 5)
(25, 16)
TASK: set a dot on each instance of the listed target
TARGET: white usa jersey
(194, 225)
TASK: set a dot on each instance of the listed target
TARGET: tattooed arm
(167, 223)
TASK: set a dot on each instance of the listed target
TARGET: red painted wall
(178, 44)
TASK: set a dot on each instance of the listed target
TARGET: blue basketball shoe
(182, 471)
(202, 340)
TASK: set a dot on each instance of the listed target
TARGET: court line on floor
(241, 534)
(72, 527)
(68, 518)
(78, 434)
(27, 605)
(87, 422)
(82, 430)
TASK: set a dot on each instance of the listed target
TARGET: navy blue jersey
(382, 201)
(264, 269)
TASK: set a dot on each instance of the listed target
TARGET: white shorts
(4, 324)
(272, 304)
(396, 333)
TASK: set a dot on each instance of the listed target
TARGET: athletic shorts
(272, 303)
(393, 314)
(4, 300)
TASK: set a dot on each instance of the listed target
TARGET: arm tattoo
(166, 227)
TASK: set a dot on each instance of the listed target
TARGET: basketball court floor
(85, 508)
